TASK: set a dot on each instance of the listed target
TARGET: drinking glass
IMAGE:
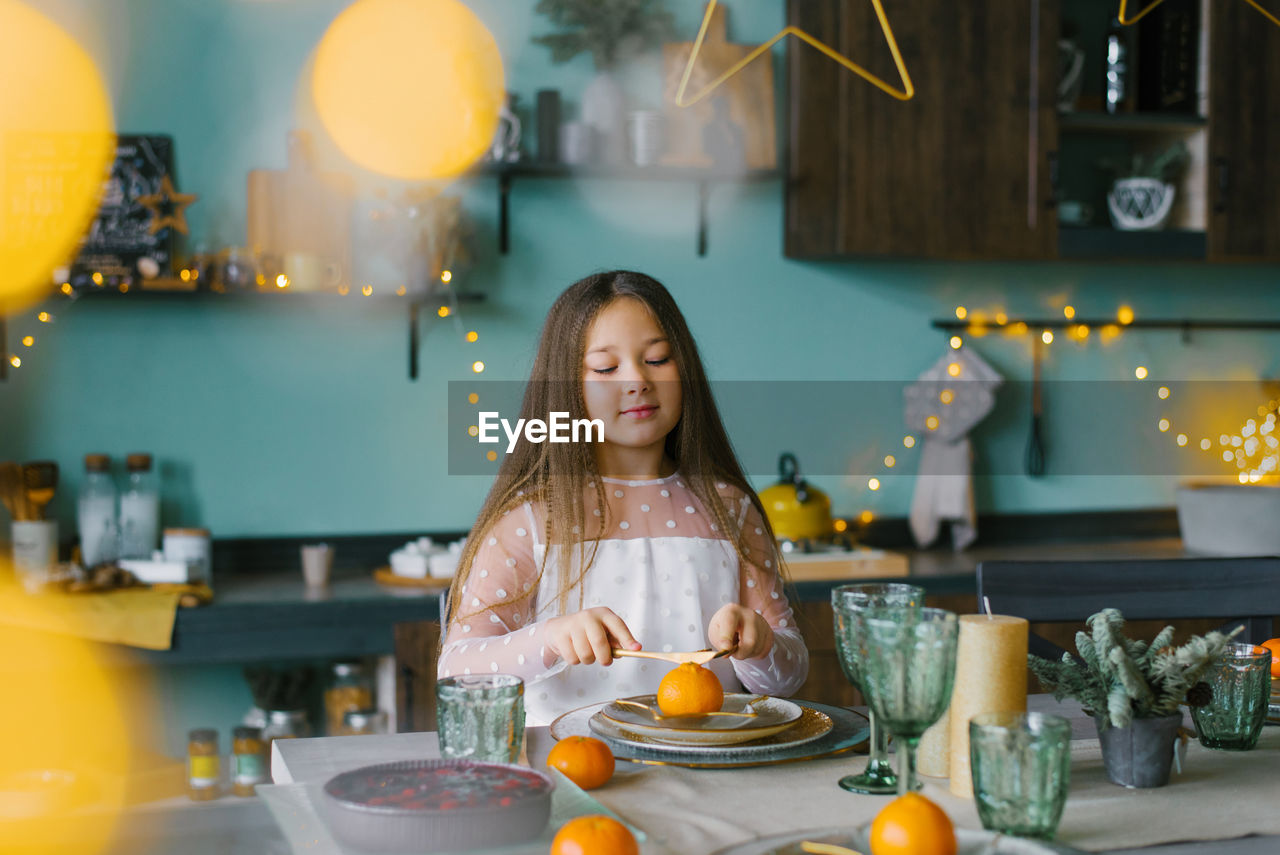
(878, 778)
(907, 664)
(481, 717)
(1021, 771)
(1241, 684)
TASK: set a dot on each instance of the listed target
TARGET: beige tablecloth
(1219, 795)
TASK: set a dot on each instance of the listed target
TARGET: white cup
(35, 551)
(317, 562)
(308, 272)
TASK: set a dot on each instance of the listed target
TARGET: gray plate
(848, 730)
(970, 843)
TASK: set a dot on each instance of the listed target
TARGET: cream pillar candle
(934, 755)
(991, 676)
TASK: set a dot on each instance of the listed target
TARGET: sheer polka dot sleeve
(491, 629)
(784, 669)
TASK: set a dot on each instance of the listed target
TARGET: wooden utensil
(826, 848)
(11, 490)
(697, 657)
(40, 481)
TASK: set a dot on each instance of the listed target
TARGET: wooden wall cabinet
(973, 167)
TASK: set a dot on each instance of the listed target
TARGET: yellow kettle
(796, 510)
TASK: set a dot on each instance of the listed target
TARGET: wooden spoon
(826, 848)
(11, 491)
(697, 657)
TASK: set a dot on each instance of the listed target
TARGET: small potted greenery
(609, 31)
(1142, 193)
(1133, 691)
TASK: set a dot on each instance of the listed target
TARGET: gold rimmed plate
(742, 718)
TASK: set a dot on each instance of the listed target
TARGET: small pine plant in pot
(1133, 691)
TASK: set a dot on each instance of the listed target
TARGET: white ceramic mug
(317, 562)
(35, 551)
(309, 272)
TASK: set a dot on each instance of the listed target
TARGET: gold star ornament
(1126, 21)
(904, 93)
(168, 207)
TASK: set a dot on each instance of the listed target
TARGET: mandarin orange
(690, 689)
(912, 825)
(1274, 646)
(586, 761)
(594, 835)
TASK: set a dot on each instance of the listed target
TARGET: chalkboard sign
(120, 247)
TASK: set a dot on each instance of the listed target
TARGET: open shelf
(1105, 243)
(703, 178)
(1129, 123)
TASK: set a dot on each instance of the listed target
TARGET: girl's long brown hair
(557, 474)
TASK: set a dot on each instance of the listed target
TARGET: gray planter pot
(1140, 755)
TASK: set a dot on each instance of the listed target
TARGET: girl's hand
(735, 623)
(589, 636)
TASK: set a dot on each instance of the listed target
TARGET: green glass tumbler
(878, 778)
(907, 666)
(1021, 771)
(480, 717)
(1241, 684)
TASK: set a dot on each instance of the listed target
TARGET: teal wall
(297, 416)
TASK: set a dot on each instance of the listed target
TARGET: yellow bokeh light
(367, 290)
(443, 311)
(70, 727)
(956, 342)
(473, 431)
(1140, 372)
(409, 88)
(282, 281)
(473, 398)
(1124, 315)
(1069, 311)
(184, 274)
(97, 280)
(446, 276)
(28, 340)
(492, 455)
(343, 290)
(473, 335)
(15, 361)
(1182, 439)
(124, 287)
(1227, 456)
(44, 317)
(890, 460)
(931, 423)
(1080, 332)
(1163, 392)
(401, 291)
(1244, 479)
(1163, 425)
(56, 145)
(954, 369)
(1002, 318)
(1047, 336)
(477, 366)
(946, 396)
(909, 441)
(865, 517)
(840, 525)
(873, 484)
(1205, 444)
(961, 312)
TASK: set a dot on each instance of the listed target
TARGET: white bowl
(1230, 519)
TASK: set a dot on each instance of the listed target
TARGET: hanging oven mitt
(941, 407)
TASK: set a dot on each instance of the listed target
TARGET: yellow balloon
(56, 145)
(409, 88)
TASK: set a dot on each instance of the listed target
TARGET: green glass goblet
(908, 665)
(878, 778)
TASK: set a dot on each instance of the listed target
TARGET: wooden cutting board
(300, 210)
(855, 564)
(750, 94)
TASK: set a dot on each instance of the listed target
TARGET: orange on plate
(586, 761)
(1274, 646)
(912, 825)
(594, 835)
(690, 689)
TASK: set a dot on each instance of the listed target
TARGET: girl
(651, 537)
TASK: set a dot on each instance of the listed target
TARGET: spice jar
(285, 724)
(364, 723)
(203, 767)
(249, 761)
(349, 691)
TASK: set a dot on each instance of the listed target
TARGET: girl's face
(630, 380)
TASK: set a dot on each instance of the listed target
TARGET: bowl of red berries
(437, 805)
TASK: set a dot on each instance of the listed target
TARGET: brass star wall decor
(1126, 21)
(168, 207)
(903, 94)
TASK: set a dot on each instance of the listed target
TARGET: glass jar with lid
(285, 724)
(204, 771)
(364, 722)
(350, 690)
(248, 756)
